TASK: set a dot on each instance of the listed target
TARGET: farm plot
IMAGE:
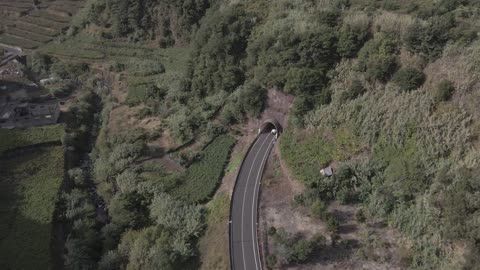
(32, 36)
(29, 27)
(29, 184)
(202, 177)
(32, 28)
(11, 139)
(19, 42)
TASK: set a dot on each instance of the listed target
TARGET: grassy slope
(213, 246)
(29, 188)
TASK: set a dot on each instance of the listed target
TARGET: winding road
(244, 249)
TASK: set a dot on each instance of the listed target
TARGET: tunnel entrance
(270, 124)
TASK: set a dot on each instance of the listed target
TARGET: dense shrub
(409, 79)
(350, 40)
(377, 58)
(444, 91)
(355, 90)
(429, 39)
(318, 209)
(252, 99)
(289, 248)
(304, 81)
(296, 61)
(149, 18)
(219, 46)
(40, 63)
(301, 105)
(69, 70)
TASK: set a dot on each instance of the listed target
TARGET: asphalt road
(244, 251)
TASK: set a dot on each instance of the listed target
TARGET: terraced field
(27, 26)
(147, 68)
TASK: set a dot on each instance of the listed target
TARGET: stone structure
(24, 115)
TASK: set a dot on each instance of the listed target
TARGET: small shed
(328, 171)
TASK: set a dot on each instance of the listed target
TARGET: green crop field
(50, 16)
(44, 22)
(32, 28)
(28, 35)
(20, 42)
(29, 185)
(11, 139)
(202, 177)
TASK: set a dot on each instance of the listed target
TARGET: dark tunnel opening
(269, 125)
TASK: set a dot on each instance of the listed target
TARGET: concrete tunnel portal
(270, 124)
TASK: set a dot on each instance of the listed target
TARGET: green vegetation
(409, 79)
(202, 177)
(444, 91)
(307, 155)
(14, 138)
(30, 185)
(289, 248)
(30, 25)
(213, 245)
(197, 67)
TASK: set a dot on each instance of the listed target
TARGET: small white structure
(327, 171)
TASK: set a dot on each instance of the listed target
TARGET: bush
(360, 216)
(272, 231)
(444, 91)
(429, 39)
(40, 63)
(350, 40)
(304, 81)
(332, 224)
(302, 250)
(271, 261)
(354, 91)
(69, 70)
(252, 98)
(318, 209)
(377, 58)
(380, 67)
(301, 105)
(409, 79)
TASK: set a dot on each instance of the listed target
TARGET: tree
(301, 105)
(111, 260)
(409, 79)
(304, 81)
(40, 63)
(302, 250)
(429, 39)
(317, 49)
(78, 255)
(129, 210)
(350, 40)
(252, 98)
(377, 58)
(148, 248)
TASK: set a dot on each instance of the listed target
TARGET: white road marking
(245, 194)
(255, 194)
